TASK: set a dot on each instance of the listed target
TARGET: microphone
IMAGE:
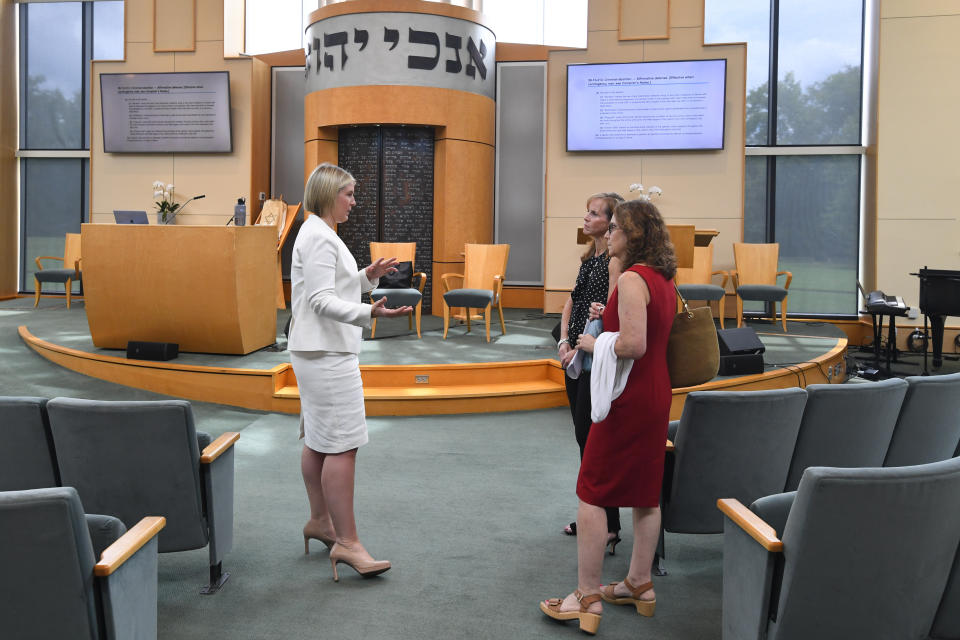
(177, 212)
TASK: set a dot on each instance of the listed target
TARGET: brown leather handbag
(693, 352)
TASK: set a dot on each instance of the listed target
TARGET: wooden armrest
(423, 280)
(128, 544)
(498, 285)
(725, 274)
(38, 259)
(789, 278)
(670, 446)
(213, 450)
(751, 523)
(447, 276)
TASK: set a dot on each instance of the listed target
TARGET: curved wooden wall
(465, 133)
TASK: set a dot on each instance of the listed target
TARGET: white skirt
(332, 417)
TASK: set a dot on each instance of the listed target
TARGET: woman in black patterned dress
(597, 271)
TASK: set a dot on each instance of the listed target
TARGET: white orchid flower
(656, 191)
(170, 188)
(157, 185)
(158, 194)
(636, 186)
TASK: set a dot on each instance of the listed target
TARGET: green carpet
(468, 508)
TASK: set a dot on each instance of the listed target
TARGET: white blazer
(326, 285)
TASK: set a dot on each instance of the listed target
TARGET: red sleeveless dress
(623, 460)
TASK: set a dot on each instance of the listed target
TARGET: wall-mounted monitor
(646, 106)
(166, 112)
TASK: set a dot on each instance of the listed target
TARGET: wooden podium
(210, 289)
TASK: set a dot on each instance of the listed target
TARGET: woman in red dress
(623, 460)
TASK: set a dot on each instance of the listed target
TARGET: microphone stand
(177, 212)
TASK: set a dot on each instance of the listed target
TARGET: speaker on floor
(740, 364)
(740, 341)
(152, 350)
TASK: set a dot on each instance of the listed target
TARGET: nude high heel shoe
(353, 559)
(309, 533)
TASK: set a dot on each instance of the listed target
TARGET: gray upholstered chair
(53, 585)
(846, 425)
(70, 273)
(928, 427)
(946, 625)
(861, 553)
(755, 278)
(131, 459)
(481, 284)
(726, 444)
(27, 458)
(696, 282)
(402, 297)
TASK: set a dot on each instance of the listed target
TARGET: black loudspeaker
(740, 364)
(152, 350)
(740, 341)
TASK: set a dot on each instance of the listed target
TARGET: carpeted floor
(468, 508)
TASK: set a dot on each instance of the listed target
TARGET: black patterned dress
(593, 282)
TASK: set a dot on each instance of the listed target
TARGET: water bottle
(240, 213)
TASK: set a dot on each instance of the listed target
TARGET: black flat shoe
(571, 529)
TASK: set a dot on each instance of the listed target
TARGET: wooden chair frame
(492, 261)
(71, 256)
(403, 252)
(700, 273)
(757, 264)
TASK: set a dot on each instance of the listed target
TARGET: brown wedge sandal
(589, 622)
(644, 607)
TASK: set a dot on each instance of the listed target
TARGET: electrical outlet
(263, 196)
(422, 379)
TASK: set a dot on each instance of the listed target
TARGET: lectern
(210, 289)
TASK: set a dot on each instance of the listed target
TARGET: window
(802, 172)
(57, 42)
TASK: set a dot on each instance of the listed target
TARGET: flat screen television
(646, 106)
(166, 112)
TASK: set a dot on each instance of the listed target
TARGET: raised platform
(406, 376)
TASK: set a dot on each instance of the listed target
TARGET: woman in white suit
(325, 335)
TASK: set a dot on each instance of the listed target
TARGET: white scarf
(609, 375)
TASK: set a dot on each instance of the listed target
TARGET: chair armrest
(446, 277)
(725, 274)
(423, 280)
(128, 544)
(497, 286)
(789, 278)
(39, 258)
(734, 277)
(216, 448)
(751, 524)
(670, 446)
(748, 572)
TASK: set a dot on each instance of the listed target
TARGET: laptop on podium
(130, 217)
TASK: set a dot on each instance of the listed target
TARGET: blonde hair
(648, 241)
(610, 201)
(323, 185)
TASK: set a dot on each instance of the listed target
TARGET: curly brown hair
(648, 241)
(610, 201)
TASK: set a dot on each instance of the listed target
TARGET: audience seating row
(750, 444)
(53, 586)
(861, 553)
(861, 482)
(128, 460)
